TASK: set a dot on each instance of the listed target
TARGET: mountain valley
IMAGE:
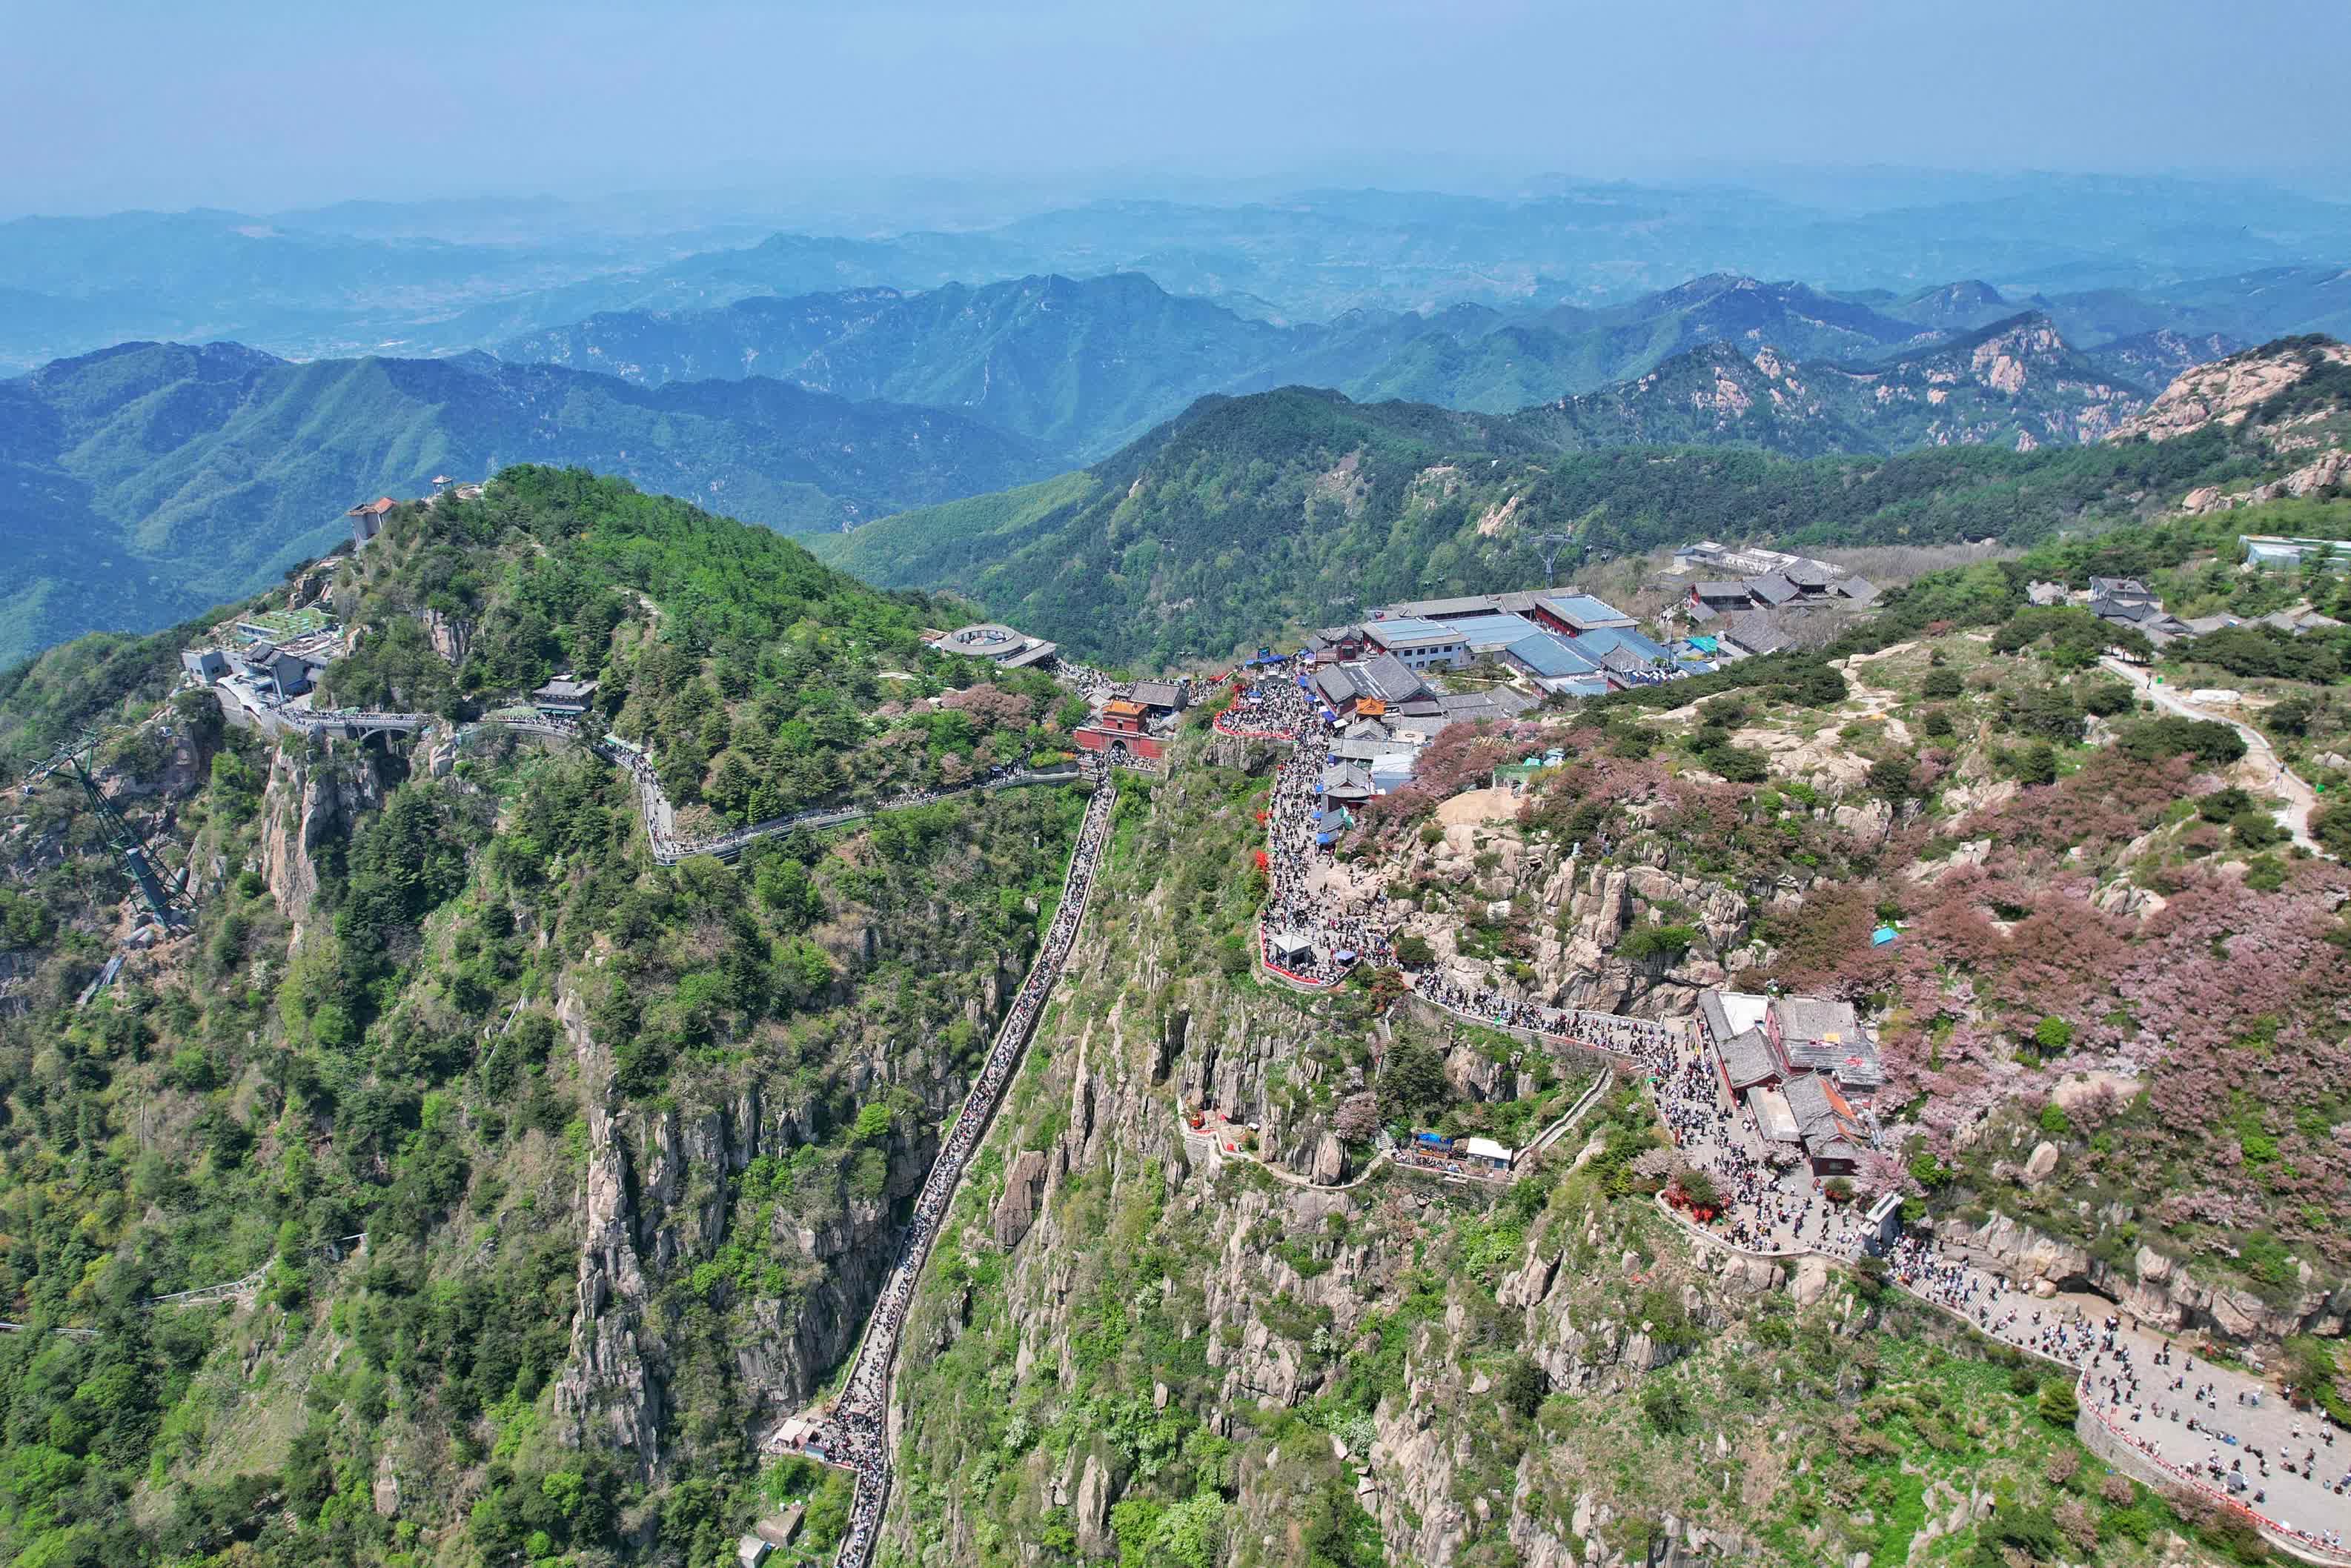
(150, 480)
(927, 786)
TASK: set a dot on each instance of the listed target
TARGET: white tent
(1288, 946)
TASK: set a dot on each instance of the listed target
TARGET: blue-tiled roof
(1411, 628)
(1599, 645)
(1492, 630)
(1581, 609)
(1551, 656)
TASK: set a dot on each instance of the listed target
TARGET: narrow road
(2301, 799)
(654, 806)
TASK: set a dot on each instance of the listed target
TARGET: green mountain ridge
(1083, 366)
(1570, 350)
(463, 1010)
(1086, 365)
(143, 483)
(1298, 507)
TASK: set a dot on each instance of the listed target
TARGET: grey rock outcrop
(1024, 1189)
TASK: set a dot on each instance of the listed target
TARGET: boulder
(1330, 1166)
(2041, 1163)
(1090, 1510)
(1750, 1276)
(1810, 1281)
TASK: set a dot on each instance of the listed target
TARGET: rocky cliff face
(659, 1202)
(1583, 909)
(2327, 473)
(608, 1395)
(310, 798)
(1122, 1310)
(451, 636)
(2227, 392)
(2018, 384)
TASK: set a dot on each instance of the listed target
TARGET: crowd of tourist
(1998, 1305)
(1758, 1204)
(857, 1432)
(2140, 1412)
(1295, 816)
(1765, 1200)
(1767, 1210)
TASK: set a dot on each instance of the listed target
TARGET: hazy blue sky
(262, 103)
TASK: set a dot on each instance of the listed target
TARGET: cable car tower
(169, 904)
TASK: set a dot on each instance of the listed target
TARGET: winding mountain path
(2301, 799)
(653, 802)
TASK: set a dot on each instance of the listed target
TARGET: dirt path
(2300, 799)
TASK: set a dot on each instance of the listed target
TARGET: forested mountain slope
(1570, 350)
(1082, 366)
(145, 482)
(1299, 508)
(1085, 365)
(623, 1140)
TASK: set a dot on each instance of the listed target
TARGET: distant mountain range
(1086, 365)
(2016, 384)
(145, 482)
(1083, 365)
(431, 278)
(1297, 507)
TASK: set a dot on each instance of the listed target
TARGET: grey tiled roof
(1746, 1059)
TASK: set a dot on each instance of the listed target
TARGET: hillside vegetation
(150, 480)
(1157, 1355)
(1299, 508)
(2015, 384)
(624, 1139)
(1084, 365)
